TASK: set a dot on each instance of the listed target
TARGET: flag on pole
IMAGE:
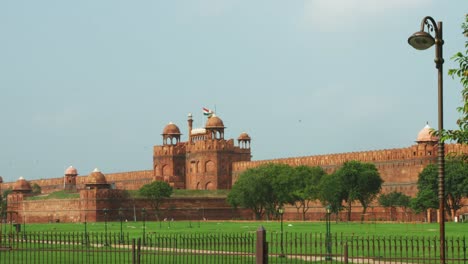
(207, 112)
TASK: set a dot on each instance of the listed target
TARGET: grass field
(135, 229)
(172, 242)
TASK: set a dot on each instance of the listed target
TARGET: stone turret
(69, 181)
(96, 180)
(22, 186)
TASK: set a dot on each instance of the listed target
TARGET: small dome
(425, 135)
(96, 177)
(21, 185)
(171, 129)
(243, 136)
(71, 171)
(214, 122)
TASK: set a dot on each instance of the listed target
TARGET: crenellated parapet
(168, 150)
(399, 167)
(456, 149)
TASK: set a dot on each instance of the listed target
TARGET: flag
(207, 112)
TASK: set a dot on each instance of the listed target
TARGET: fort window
(210, 166)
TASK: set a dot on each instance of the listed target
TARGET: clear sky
(93, 83)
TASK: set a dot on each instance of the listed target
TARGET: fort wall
(399, 168)
(92, 204)
(132, 180)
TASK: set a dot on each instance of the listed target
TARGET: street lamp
(143, 212)
(422, 40)
(328, 234)
(24, 226)
(86, 240)
(281, 212)
(105, 226)
(121, 233)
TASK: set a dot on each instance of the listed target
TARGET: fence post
(133, 252)
(261, 253)
(345, 253)
(138, 251)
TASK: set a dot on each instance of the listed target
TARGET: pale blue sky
(93, 83)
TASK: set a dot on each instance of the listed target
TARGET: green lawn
(135, 229)
(167, 242)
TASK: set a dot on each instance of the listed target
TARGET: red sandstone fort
(205, 161)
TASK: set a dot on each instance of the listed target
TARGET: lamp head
(421, 40)
(281, 211)
(328, 208)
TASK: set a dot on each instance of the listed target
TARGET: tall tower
(210, 156)
(169, 159)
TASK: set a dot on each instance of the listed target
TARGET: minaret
(190, 125)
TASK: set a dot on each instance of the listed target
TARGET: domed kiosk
(426, 135)
(171, 134)
(22, 186)
(70, 179)
(427, 142)
(244, 140)
(215, 127)
(96, 180)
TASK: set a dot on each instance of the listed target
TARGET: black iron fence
(262, 247)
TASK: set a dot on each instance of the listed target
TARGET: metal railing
(263, 247)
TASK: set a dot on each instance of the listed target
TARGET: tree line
(267, 188)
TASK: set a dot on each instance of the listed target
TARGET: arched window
(210, 166)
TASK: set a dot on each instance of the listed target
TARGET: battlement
(326, 160)
(211, 144)
(178, 149)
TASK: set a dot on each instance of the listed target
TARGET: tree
(424, 200)
(305, 186)
(360, 182)
(456, 185)
(332, 192)
(282, 184)
(156, 192)
(461, 135)
(36, 189)
(393, 200)
(252, 190)
(4, 202)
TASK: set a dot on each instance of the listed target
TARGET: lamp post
(143, 212)
(281, 212)
(24, 226)
(328, 233)
(105, 225)
(422, 40)
(120, 217)
(85, 242)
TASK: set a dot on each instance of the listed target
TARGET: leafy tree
(332, 192)
(461, 135)
(282, 184)
(305, 187)
(393, 200)
(360, 182)
(4, 203)
(456, 185)
(424, 200)
(156, 192)
(252, 190)
(36, 189)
